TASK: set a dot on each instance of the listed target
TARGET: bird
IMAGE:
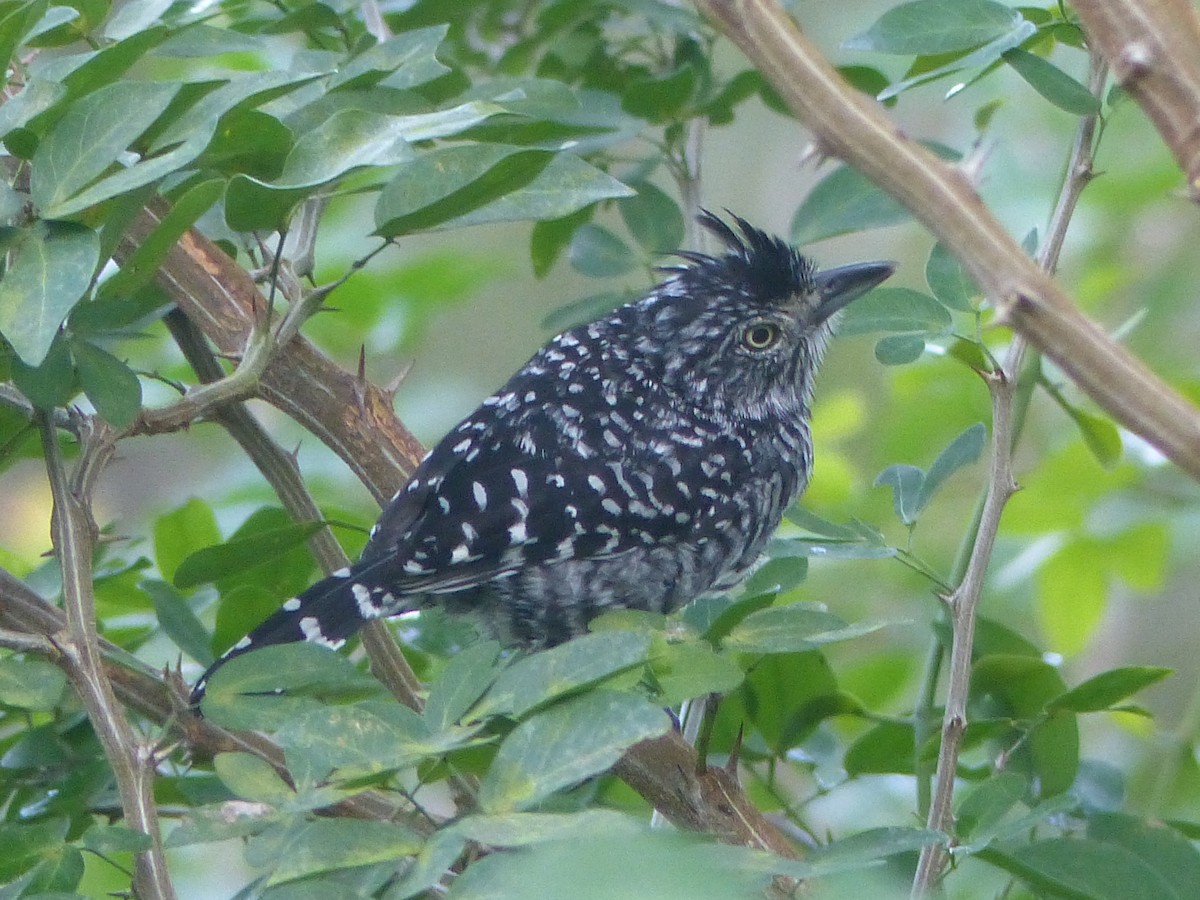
(638, 461)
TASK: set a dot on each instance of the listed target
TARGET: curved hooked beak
(840, 286)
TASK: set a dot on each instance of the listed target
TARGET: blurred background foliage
(1092, 574)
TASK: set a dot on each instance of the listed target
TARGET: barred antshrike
(635, 462)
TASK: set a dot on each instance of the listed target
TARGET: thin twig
(964, 602)
(132, 760)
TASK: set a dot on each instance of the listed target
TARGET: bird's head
(742, 332)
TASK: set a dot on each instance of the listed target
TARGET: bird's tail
(327, 613)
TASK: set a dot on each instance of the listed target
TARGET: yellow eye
(760, 335)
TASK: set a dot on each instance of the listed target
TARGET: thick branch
(1153, 48)
(849, 125)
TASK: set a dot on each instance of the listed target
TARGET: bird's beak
(842, 285)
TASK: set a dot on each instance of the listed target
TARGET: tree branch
(1153, 47)
(852, 127)
(132, 760)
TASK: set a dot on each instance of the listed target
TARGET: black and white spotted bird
(635, 462)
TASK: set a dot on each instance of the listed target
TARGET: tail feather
(327, 613)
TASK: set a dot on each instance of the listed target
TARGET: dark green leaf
(1108, 688)
(936, 26)
(1164, 850)
(658, 99)
(987, 803)
(565, 744)
(244, 693)
(140, 266)
(598, 253)
(522, 829)
(1083, 869)
(948, 280)
(36, 97)
(873, 844)
(653, 218)
(324, 845)
(568, 667)
(887, 748)
(980, 60)
(781, 573)
(792, 628)
(108, 839)
(32, 684)
(895, 309)
(465, 678)
(906, 482)
(93, 133)
(111, 385)
(1053, 83)
(179, 532)
(252, 778)
(550, 238)
(899, 349)
(962, 451)
(241, 554)
(401, 62)
(842, 202)
(179, 622)
(685, 670)
(28, 844)
(50, 268)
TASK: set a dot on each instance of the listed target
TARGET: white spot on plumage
(291, 604)
(366, 605)
(444, 504)
(243, 643)
(611, 505)
(521, 481)
(597, 484)
(462, 446)
(480, 495)
(459, 554)
(343, 572)
(517, 534)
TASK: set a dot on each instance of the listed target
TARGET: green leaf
(1053, 83)
(895, 309)
(32, 684)
(349, 139)
(899, 349)
(1108, 688)
(34, 99)
(598, 253)
(980, 60)
(252, 778)
(241, 554)
(844, 201)
(245, 692)
(885, 749)
(179, 622)
(1163, 849)
(565, 744)
(16, 21)
(1100, 434)
(660, 99)
(906, 482)
(692, 669)
(653, 218)
(94, 132)
(550, 238)
(949, 281)
(568, 667)
(792, 628)
(109, 839)
(962, 451)
(28, 844)
(1077, 868)
(50, 268)
(180, 531)
(440, 852)
(987, 803)
(936, 26)
(326, 845)
(111, 385)
(519, 829)
(362, 738)
(140, 267)
(781, 573)
(401, 62)
(465, 678)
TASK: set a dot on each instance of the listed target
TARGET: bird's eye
(760, 335)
